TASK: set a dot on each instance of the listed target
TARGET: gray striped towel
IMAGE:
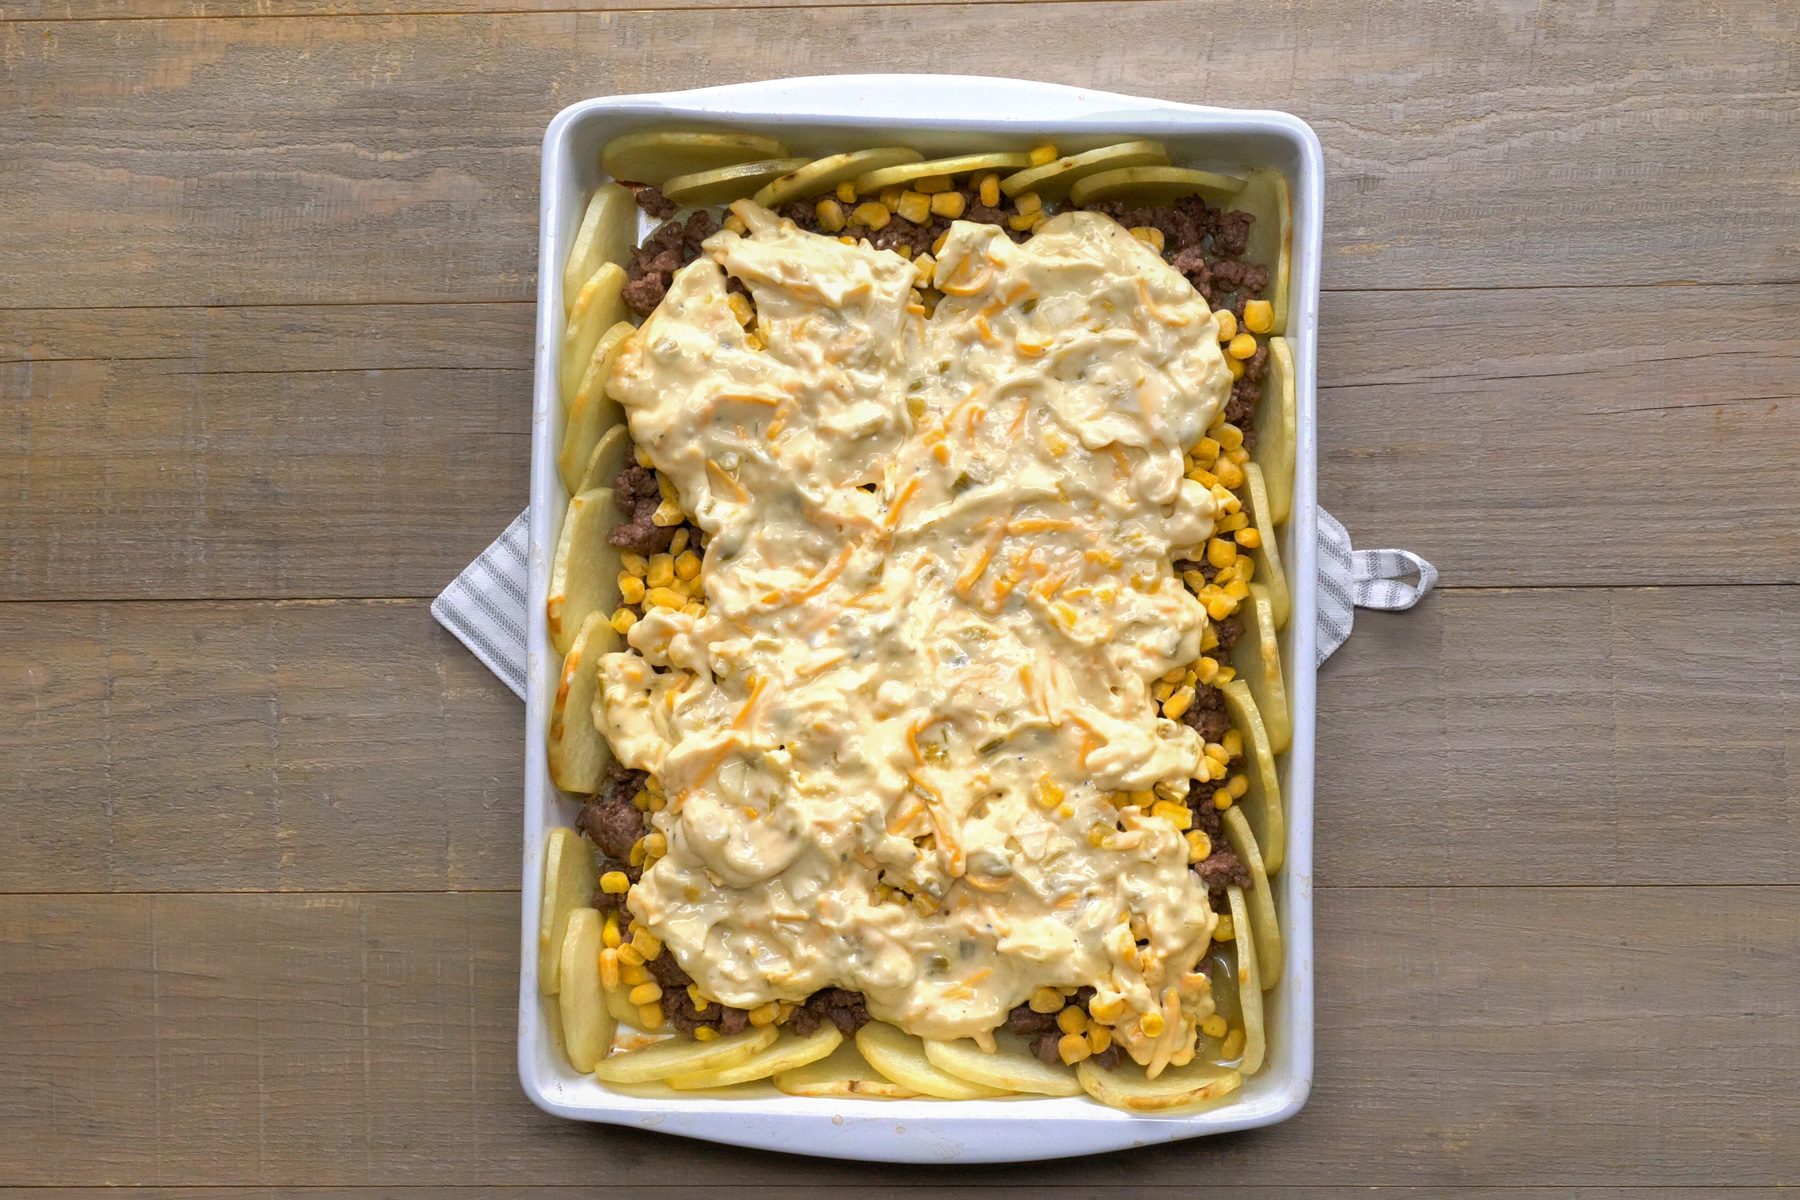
(485, 605)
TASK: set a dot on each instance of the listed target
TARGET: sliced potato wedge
(578, 754)
(1053, 180)
(1154, 185)
(841, 1074)
(1257, 657)
(1264, 926)
(961, 164)
(789, 1052)
(1277, 420)
(587, 1027)
(1249, 981)
(607, 460)
(901, 1057)
(679, 1056)
(598, 307)
(1262, 803)
(1011, 1068)
(1267, 554)
(569, 881)
(621, 1007)
(823, 174)
(607, 234)
(591, 412)
(659, 155)
(584, 577)
(725, 184)
(1178, 1087)
(1265, 197)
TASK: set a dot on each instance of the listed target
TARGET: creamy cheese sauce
(897, 746)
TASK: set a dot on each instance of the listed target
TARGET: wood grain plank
(395, 158)
(1469, 1037)
(1554, 436)
(1501, 737)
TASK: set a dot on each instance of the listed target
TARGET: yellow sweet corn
(1199, 845)
(1043, 155)
(1072, 1048)
(650, 1016)
(871, 215)
(1230, 436)
(1241, 346)
(1221, 553)
(1152, 1024)
(644, 993)
(700, 1003)
(1226, 320)
(1249, 538)
(765, 1014)
(687, 566)
(628, 954)
(1178, 815)
(646, 944)
(1180, 702)
(736, 224)
(949, 204)
(1259, 316)
(1233, 743)
(1214, 1026)
(623, 619)
(615, 883)
(632, 974)
(830, 215)
(1235, 366)
(914, 207)
(662, 597)
(989, 189)
(739, 304)
(662, 571)
(705, 1033)
(1107, 1011)
(1071, 1020)
(1045, 1000)
(1237, 785)
(1150, 235)
(637, 564)
(846, 192)
(1099, 1038)
(1233, 1045)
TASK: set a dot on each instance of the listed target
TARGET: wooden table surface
(266, 270)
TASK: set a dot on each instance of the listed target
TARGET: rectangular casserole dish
(937, 115)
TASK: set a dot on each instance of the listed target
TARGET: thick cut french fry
(1277, 419)
(569, 880)
(607, 460)
(678, 1056)
(1257, 657)
(659, 155)
(607, 234)
(1153, 185)
(1267, 553)
(592, 412)
(587, 1027)
(788, 1052)
(1053, 180)
(578, 754)
(598, 307)
(962, 164)
(1178, 1087)
(842, 1074)
(1265, 197)
(1011, 1068)
(721, 186)
(901, 1057)
(1249, 981)
(1262, 802)
(821, 175)
(584, 576)
(1264, 926)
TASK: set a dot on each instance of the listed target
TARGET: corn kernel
(1238, 590)
(1180, 702)
(646, 944)
(650, 1016)
(636, 857)
(890, 196)
(1049, 792)
(631, 588)
(1042, 155)
(1199, 845)
(1099, 1038)
(632, 974)
(736, 224)
(1220, 552)
(705, 1033)
(1237, 785)
(1045, 1000)
(1226, 675)
(1162, 691)
(1206, 452)
(1178, 815)
(949, 204)
(663, 597)
(630, 956)
(989, 190)
(1150, 235)
(739, 304)
(1107, 1011)
(1021, 222)
(1072, 1048)
(1152, 1024)
(637, 564)
(830, 215)
(1226, 320)
(914, 207)
(1259, 316)
(640, 800)
(1233, 523)
(688, 565)
(1221, 799)
(1207, 668)
(615, 883)
(765, 1014)
(1233, 1045)
(1229, 435)
(644, 993)
(1071, 1020)
(1214, 1026)
(846, 192)
(622, 620)
(924, 269)
(1235, 367)
(871, 215)
(1231, 475)
(1241, 346)
(662, 571)
(1028, 203)
(1224, 931)
(1217, 607)
(1249, 538)
(1233, 743)
(700, 1003)
(609, 932)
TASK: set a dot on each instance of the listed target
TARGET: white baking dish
(935, 114)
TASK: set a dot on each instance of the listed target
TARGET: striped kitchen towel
(485, 605)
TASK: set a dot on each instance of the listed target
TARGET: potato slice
(569, 881)
(1011, 1068)
(725, 184)
(607, 460)
(1267, 555)
(1265, 197)
(1257, 657)
(584, 577)
(592, 412)
(607, 234)
(587, 1027)
(1053, 180)
(901, 1057)
(598, 307)
(620, 1006)
(1277, 420)
(821, 175)
(1249, 981)
(841, 1074)
(679, 1056)
(1262, 803)
(578, 754)
(1178, 1087)
(1264, 926)
(1154, 185)
(659, 155)
(789, 1052)
(961, 164)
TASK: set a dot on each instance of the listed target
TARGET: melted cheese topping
(938, 589)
